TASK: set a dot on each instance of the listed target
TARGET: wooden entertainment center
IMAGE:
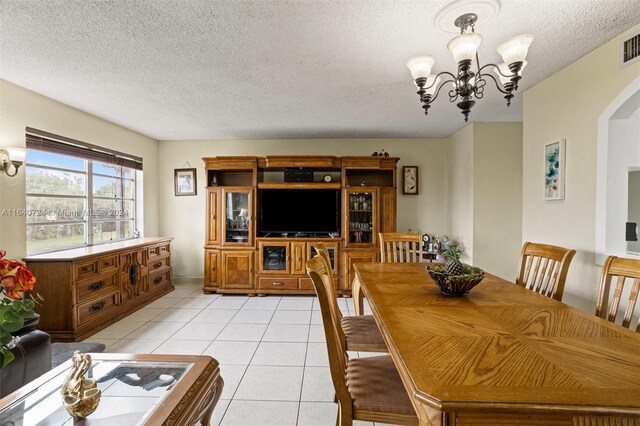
(241, 258)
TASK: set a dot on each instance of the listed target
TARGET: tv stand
(236, 261)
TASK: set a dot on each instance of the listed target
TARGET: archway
(618, 152)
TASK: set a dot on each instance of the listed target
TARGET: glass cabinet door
(274, 257)
(361, 217)
(237, 210)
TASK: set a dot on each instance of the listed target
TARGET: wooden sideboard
(237, 253)
(89, 288)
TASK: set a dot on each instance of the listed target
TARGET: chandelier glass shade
(468, 85)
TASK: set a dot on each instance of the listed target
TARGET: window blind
(45, 141)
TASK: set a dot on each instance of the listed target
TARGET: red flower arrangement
(15, 279)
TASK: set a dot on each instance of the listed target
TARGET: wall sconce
(12, 156)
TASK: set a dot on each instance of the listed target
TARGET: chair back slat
(543, 268)
(549, 278)
(622, 269)
(400, 247)
(319, 272)
(633, 298)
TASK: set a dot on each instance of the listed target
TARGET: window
(74, 202)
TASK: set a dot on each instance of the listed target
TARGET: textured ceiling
(200, 69)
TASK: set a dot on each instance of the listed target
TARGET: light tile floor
(271, 350)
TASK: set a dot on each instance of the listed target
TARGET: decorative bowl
(456, 285)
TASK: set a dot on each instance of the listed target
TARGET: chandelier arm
(506, 92)
(440, 88)
(436, 78)
(497, 69)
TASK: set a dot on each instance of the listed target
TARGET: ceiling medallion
(466, 84)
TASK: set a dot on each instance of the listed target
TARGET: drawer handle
(96, 307)
(96, 286)
(85, 269)
(157, 264)
(278, 283)
(157, 280)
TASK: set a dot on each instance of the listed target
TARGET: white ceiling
(202, 69)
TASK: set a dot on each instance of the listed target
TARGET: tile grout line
(304, 367)
(249, 364)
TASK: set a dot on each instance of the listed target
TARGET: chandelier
(468, 85)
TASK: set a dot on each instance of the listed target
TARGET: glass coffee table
(136, 390)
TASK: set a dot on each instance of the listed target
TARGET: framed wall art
(554, 153)
(185, 182)
(410, 180)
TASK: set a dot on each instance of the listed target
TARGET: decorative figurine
(425, 242)
(445, 243)
(79, 394)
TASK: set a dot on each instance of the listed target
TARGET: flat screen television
(302, 211)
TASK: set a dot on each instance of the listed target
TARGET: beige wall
(20, 108)
(497, 197)
(183, 217)
(485, 194)
(460, 189)
(568, 105)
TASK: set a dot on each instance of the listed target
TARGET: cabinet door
(237, 216)
(353, 257)
(213, 210)
(388, 210)
(273, 257)
(332, 248)
(212, 280)
(237, 269)
(361, 217)
(133, 274)
(298, 258)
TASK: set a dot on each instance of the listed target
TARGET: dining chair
(543, 268)
(400, 247)
(367, 389)
(360, 333)
(395, 247)
(623, 269)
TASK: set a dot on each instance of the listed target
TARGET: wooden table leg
(205, 420)
(358, 297)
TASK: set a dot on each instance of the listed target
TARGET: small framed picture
(185, 182)
(554, 170)
(410, 180)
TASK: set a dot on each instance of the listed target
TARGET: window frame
(89, 213)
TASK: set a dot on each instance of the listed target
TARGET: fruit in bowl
(456, 285)
(455, 278)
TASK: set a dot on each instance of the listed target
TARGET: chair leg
(344, 419)
(358, 297)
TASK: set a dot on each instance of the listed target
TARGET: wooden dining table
(502, 354)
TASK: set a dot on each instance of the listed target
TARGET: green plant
(453, 265)
(15, 279)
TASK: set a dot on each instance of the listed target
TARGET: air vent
(630, 50)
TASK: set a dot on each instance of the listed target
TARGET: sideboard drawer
(159, 281)
(160, 250)
(94, 309)
(278, 283)
(108, 263)
(87, 290)
(86, 269)
(155, 265)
